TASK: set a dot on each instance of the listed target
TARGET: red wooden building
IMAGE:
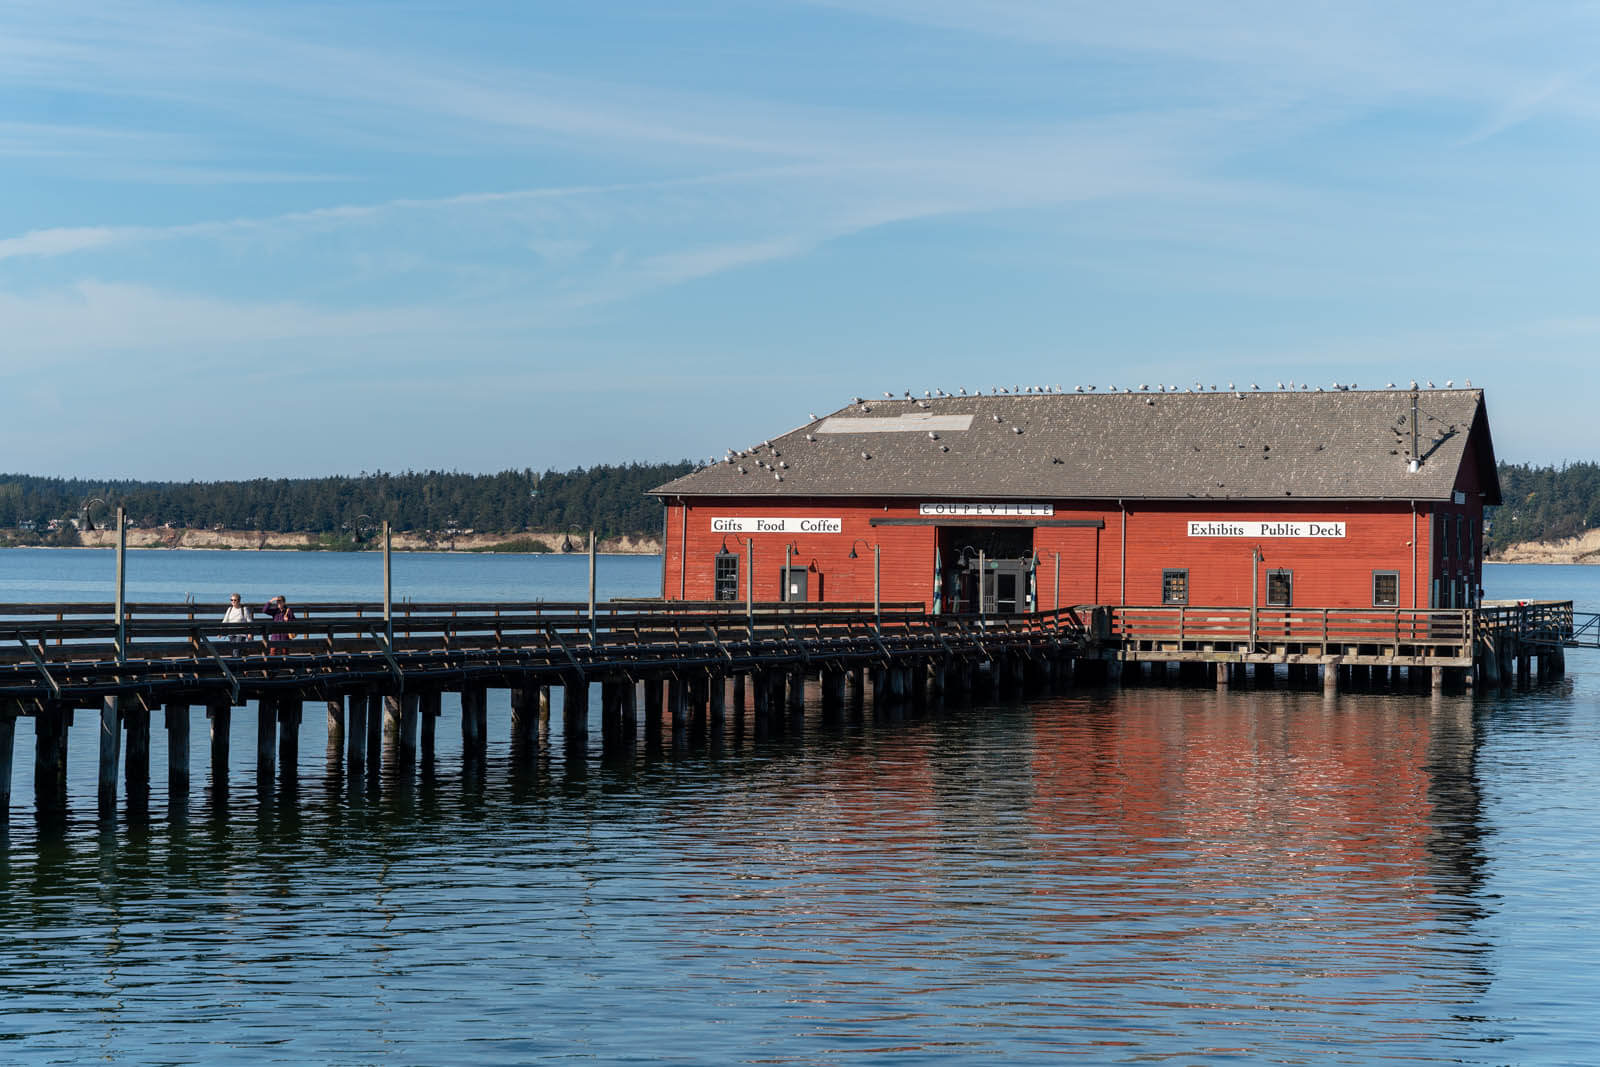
(1301, 499)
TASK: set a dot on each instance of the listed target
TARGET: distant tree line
(610, 500)
(1544, 503)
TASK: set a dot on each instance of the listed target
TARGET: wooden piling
(391, 720)
(410, 727)
(474, 716)
(1330, 676)
(51, 727)
(374, 742)
(356, 738)
(8, 738)
(219, 713)
(110, 753)
(177, 715)
(1222, 670)
(431, 702)
(575, 707)
(738, 695)
(524, 715)
(136, 762)
(336, 725)
(718, 696)
(290, 711)
(797, 692)
(678, 703)
(266, 739)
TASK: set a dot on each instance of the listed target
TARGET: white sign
(1271, 528)
(1000, 511)
(778, 524)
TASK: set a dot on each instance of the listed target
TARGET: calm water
(1145, 875)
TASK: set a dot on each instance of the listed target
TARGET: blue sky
(305, 238)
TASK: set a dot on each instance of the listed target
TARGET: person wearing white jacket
(238, 611)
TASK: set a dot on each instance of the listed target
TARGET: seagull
(1389, 386)
(1450, 384)
(888, 396)
(963, 392)
(1280, 387)
(1469, 383)
(1413, 383)
(1143, 388)
(1230, 387)
(932, 436)
(1113, 388)
(813, 415)
(1254, 388)
(1077, 388)
(1430, 383)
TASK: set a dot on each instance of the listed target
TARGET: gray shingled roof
(1341, 445)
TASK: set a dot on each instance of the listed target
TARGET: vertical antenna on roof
(1416, 459)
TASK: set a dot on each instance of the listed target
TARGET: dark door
(794, 584)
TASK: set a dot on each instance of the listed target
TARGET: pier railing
(1538, 622)
(1246, 630)
(69, 652)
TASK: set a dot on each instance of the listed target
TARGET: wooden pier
(382, 681)
(678, 666)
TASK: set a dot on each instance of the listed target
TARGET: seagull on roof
(1230, 387)
(1469, 383)
(1113, 388)
(1077, 388)
(813, 415)
(1450, 384)
(1280, 387)
(1389, 386)
(1143, 388)
(1430, 383)
(963, 392)
(1254, 388)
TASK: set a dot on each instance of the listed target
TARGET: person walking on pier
(237, 611)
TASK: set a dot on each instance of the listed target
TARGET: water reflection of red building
(1243, 789)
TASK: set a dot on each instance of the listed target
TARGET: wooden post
(136, 764)
(8, 737)
(356, 739)
(797, 691)
(410, 727)
(374, 744)
(335, 725)
(220, 713)
(1330, 676)
(1222, 676)
(718, 686)
(739, 695)
(678, 703)
(652, 703)
(110, 753)
(575, 707)
(630, 709)
(266, 739)
(544, 711)
(474, 712)
(391, 720)
(290, 711)
(51, 726)
(430, 712)
(177, 750)
(524, 710)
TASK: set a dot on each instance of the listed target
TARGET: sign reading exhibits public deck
(1266, 529)
(775, 524)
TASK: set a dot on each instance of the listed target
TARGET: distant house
(1032, 501)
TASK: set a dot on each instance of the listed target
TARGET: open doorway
(1005, 584)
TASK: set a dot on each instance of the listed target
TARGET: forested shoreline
(1544, 504)
(609, 499)
(1541, 504)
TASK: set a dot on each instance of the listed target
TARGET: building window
(1385, 589)
(1174, 587)
(1280, 589)
(727, 580)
